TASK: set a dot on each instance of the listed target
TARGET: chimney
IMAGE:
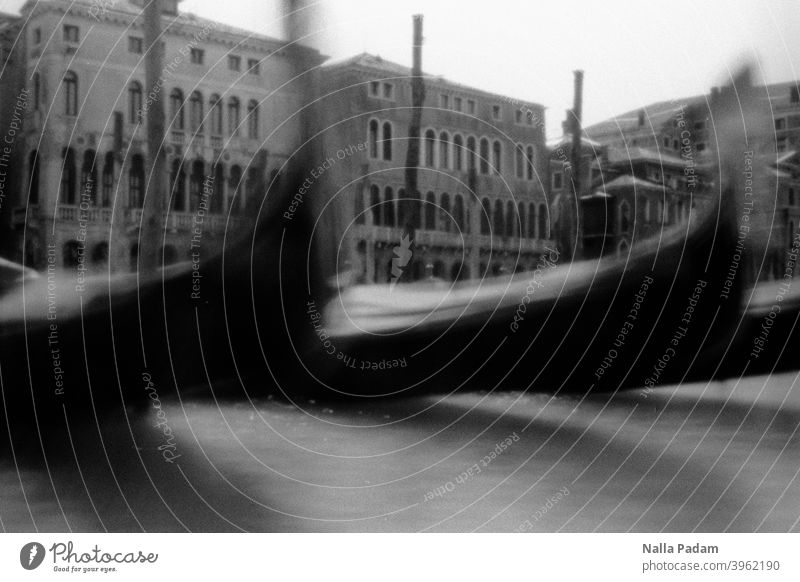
(577, 129)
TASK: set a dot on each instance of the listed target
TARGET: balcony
(91, 215)
(178, 138)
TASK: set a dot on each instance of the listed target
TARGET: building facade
(229, 129)
(482, 204)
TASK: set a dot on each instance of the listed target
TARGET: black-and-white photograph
(351, 266)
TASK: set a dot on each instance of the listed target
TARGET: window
(254, 66)
(458, 213)
(666, 142)
(519, 161)
(795, 95)
(70, 93)
(542, 218)
(373, 139)
(518, 116)
(558, 181)
(471, 106)
(430, 211)
(252, 119)
(531, 220)
(108, 180)
(135, 102)
(388, 210)
(388, 91)
(89, 177)
(375, 204)
(136, 182)
(780, 123)
(444, 214)
(530, 161)
(215, 103)
(197, 56)
(511, 219)
(486, 214)
(457, 104)
(624, 216)
(196, 112)
(498, 223)
(71, 33)
(497, 112)
(234, 63)
(444, 150)
(176, 109)
(497, 157)
(135, 45)
(387, 141)
(430, 147)
(471, 151)
(444, 101)
(233, 116)
(458, 152)
(484, 156)
(375, 89)
(196, 179)
(37, 35)
(33, 177)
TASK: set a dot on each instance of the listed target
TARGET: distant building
(482, 200)
(230, 127)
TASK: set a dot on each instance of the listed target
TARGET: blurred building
(482, 203)
(230, 127)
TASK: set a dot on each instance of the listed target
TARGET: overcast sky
(633, 52)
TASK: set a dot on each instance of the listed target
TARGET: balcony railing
(91, 215)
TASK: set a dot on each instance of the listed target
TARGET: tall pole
(410, 205)
(571, 233)
(154, 206)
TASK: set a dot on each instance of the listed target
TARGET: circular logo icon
(31, 555)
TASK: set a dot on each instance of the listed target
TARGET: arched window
(252, 119)
(373, 139)
(215, 105)
(387, 141)
(136, 182)
(530, 160)
(234, 189)
(430, 148)
(196, 112)
(388, 207)
(430, 211)
(471, 154)
(176, 109)
(519, 229)
(233, 116)
(108, 180)
(446, 221)
(544, 231)
(498, 224)
(135, 102)
(89, 177)
(497, 157)
(67, 195)
(647, 210)
(375, 205)
(458, 213)
(70, 93)
(511, 218)
(444, 150)
(33, 177)
(532, 217)
(486, 216)
(519, 161)
(196, 184)
(458, 152)
(255, 179)
(100, 253)
(484, 156)
(178, 186)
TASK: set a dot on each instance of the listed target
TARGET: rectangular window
(780, 123)
(375, 89)
(254, 66)
(457, 104)
(234, 63)
(135, 45)
(444, 101)
(71, 33)
(470, 106)
(795, 95)
(497, 113)
(388, 91)
(37, 36)
(558, 180)
(197, 56)
(518, 116)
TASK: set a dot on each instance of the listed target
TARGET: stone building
(230, 127)
(482, 200)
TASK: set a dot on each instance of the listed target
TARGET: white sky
(633, 52)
